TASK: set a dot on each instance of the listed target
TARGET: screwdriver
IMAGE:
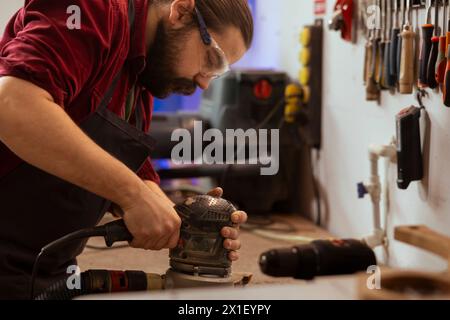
(384, 52)
(372, 90)
(390, 80)
(379, 50)
(367, 56)
(431, 71)
(399, 44)
(406, 82)
(442, 60)
(446, 86)
(393, 69)
(427, 33)
(368, 50)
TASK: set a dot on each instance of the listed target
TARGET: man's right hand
(29, 124)
(152, 220)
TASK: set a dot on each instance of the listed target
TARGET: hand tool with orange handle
(406, 81)
(442, 57)
(431, 70)
(427, 34)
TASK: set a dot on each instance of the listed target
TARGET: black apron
(37, 208)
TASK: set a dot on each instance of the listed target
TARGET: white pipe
(374, 189)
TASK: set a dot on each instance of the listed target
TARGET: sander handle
(116, 231)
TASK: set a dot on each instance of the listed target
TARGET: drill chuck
(319, 258)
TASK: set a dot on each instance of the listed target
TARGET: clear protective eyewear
(215, 64)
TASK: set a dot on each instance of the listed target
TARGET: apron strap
(110, 92)
(139, 118)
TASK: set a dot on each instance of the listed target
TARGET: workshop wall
(8, 8)
(350, 125)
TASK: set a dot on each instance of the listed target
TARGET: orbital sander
(199, 260)
(200, 257)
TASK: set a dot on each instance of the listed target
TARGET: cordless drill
(319, 258)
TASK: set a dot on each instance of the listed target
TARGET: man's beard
(159, 75)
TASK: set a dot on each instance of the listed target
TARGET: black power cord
(316, 191)
(112, 232)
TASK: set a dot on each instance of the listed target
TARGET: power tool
(319, 258)
(199, 259)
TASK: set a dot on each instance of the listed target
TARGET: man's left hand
(230, 234)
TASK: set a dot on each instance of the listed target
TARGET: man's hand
(232, 241)
(152, 221)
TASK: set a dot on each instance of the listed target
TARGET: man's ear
(181, 12)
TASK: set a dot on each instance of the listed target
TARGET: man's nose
(203, 82)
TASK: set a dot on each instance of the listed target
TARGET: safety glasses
(215, 63)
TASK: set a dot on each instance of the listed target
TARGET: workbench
(261, 286)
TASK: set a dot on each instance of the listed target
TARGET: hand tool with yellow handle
(395, 32)
(431, 70)
(427, 34)
(442, 58)
(406, 81)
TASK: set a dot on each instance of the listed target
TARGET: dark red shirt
(77, 66)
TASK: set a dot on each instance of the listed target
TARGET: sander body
(200, 249)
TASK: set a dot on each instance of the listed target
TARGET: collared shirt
(76, 66)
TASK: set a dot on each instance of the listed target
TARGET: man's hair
(225, 13)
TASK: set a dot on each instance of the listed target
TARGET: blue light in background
(177, 103)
